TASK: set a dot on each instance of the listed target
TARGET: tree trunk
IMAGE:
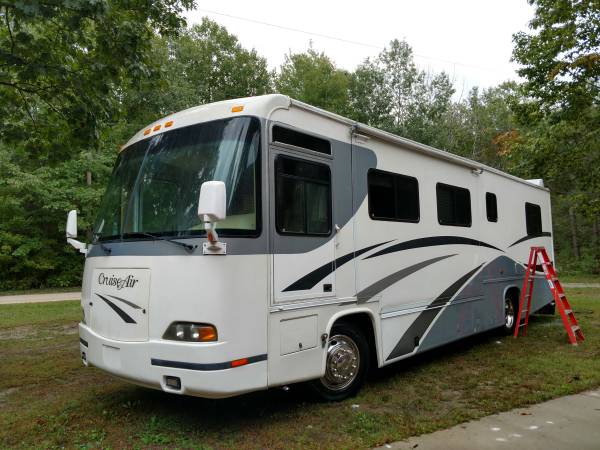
(573, 223)
(88, 177)
(596, 231)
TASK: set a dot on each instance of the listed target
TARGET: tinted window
(491, 207)
(303, 197)
(297, 139)
(393, 197)
(453, 205)
(533, 219)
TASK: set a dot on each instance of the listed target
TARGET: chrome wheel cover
(509, 313)
(343, 361)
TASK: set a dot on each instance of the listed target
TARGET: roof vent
(537, 182)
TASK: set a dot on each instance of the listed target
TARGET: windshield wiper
(96, 240)
(163, 238)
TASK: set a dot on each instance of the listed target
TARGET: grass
(49, 400)
(580, 278)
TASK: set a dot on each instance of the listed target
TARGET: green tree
(560, 57)
(313, 78)
(62, 63)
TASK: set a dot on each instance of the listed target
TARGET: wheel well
(363, 322)
(513, 293)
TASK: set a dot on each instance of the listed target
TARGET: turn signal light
(191, 332)
(238, 108)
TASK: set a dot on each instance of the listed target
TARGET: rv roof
(264, 105)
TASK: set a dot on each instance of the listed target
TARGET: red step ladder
(566, 312)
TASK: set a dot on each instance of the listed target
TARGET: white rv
(259, 242)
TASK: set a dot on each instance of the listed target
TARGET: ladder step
(568, 311)
(562, 295)
(575, 328)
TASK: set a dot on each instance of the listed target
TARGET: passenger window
(302, 197)
(453, 205)
(297, 139)
(393, 196)
(533, 219)
(491, 207)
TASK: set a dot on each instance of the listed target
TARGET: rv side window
(533, 219)
(453, 205)
(491, 207)
(297, 139)
(393, 196)
(302, 197)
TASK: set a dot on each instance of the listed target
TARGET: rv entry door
(302, 231)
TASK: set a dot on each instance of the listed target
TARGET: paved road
(39, 298)
(565, 423)
(581, 285)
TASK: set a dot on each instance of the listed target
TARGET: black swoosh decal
(311, 279)
(122, 314)
(127, 302)
(431, 242)
(406, 344)
(531, 236)
(374, 289)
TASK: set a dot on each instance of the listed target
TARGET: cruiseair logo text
(128, 282)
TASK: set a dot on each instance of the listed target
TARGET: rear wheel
(511, 308)
(346, 366)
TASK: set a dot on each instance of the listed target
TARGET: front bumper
(143, 363)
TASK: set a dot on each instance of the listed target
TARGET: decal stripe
(526, 238)
(127, 302)
(203, 366)
(431, 242)
(122, 314)
(310, 280)
(374, 289)
(406, 344)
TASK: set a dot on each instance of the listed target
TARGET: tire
(511, 309)
(347, 365)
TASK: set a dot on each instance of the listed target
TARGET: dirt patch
(32, 332)
(5, 393)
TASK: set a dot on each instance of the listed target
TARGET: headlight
(191, 332)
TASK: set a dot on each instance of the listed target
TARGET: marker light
(191, 332)
(156, 128)
(168, 124)
(238, 108)
(147, 132)
(239, 362)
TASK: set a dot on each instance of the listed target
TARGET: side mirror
(72, 232)
(72, 224)
(212, 202)
(212, 207)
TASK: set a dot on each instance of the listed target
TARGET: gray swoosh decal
(374, 289)
(406, 344)
(127, 302)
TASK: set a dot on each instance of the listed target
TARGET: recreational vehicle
(259, 242)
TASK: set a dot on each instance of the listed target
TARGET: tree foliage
(560, 57)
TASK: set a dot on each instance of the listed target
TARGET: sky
(471, 40)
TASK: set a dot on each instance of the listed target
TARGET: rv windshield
(156, 182)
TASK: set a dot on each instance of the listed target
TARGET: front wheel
(346, 366)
